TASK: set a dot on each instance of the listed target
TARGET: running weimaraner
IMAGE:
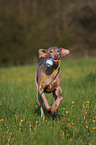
(48, 79)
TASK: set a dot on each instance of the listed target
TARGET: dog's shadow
(38, 112)
(47, 113)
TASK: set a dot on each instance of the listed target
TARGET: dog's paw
(54, 116)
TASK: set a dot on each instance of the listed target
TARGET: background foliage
(27, 25)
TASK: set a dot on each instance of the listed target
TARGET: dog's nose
(56, 56)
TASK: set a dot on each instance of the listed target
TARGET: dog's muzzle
(56, 58)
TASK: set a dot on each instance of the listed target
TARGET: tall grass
(20, 121)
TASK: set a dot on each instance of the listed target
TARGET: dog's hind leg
(54, 115)
(40, 102)
(39, 99)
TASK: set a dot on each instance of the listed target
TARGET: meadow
(20, 121)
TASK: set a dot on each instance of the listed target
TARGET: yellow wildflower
(93, 127)
(72, 102)
(36, 122)
(8, 139)
(10, 133)
(21, 120)
(88, 102)
(51, 127)
(94, 121)
(86, 126)
(19, 124)
(6, 131)
(70, 139)
(67, 112)
(62, 133)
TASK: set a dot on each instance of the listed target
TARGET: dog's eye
(57, 51)
(51, 51)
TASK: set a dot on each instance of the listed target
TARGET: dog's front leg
(48, 107)
(58, 93)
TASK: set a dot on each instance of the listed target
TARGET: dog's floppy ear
(64, 52)
(42, 52)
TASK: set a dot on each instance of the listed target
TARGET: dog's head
(53, 52)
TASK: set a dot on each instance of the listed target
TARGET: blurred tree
(27, 25)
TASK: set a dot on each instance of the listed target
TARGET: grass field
(20, 121)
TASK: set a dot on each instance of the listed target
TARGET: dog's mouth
(55, 60)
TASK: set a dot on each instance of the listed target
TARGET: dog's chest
(52, 79)
(51, 85)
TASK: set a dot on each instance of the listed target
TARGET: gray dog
(48, 79)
